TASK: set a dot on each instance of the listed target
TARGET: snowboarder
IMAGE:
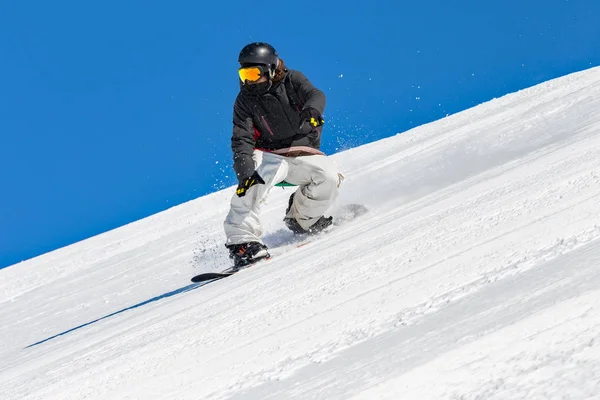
(277, 124)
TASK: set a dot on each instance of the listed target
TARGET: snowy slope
(475, 275)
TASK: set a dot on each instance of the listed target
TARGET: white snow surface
(474, 275)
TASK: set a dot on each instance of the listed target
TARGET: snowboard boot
(295, 227)
(315, 228)
(247, 253)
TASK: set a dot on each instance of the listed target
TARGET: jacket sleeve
(309, 95)
(242, 141)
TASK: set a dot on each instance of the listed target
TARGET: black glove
(311, 116)
(247, 183)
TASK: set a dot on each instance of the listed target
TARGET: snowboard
(212, 276)
(341, 216)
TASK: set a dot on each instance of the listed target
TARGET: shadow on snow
(156, 298)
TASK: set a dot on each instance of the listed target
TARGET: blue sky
(113, 111)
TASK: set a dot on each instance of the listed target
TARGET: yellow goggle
(250, 74)
(253, 73)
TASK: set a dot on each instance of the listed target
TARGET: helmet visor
(250, 74)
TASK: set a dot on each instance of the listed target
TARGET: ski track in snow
(474, 275)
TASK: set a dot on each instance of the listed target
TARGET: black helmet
(259, 53)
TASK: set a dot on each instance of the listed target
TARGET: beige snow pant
(318, 181)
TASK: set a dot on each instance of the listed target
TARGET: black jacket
(271, 121)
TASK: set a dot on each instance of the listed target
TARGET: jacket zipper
(267, 125)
